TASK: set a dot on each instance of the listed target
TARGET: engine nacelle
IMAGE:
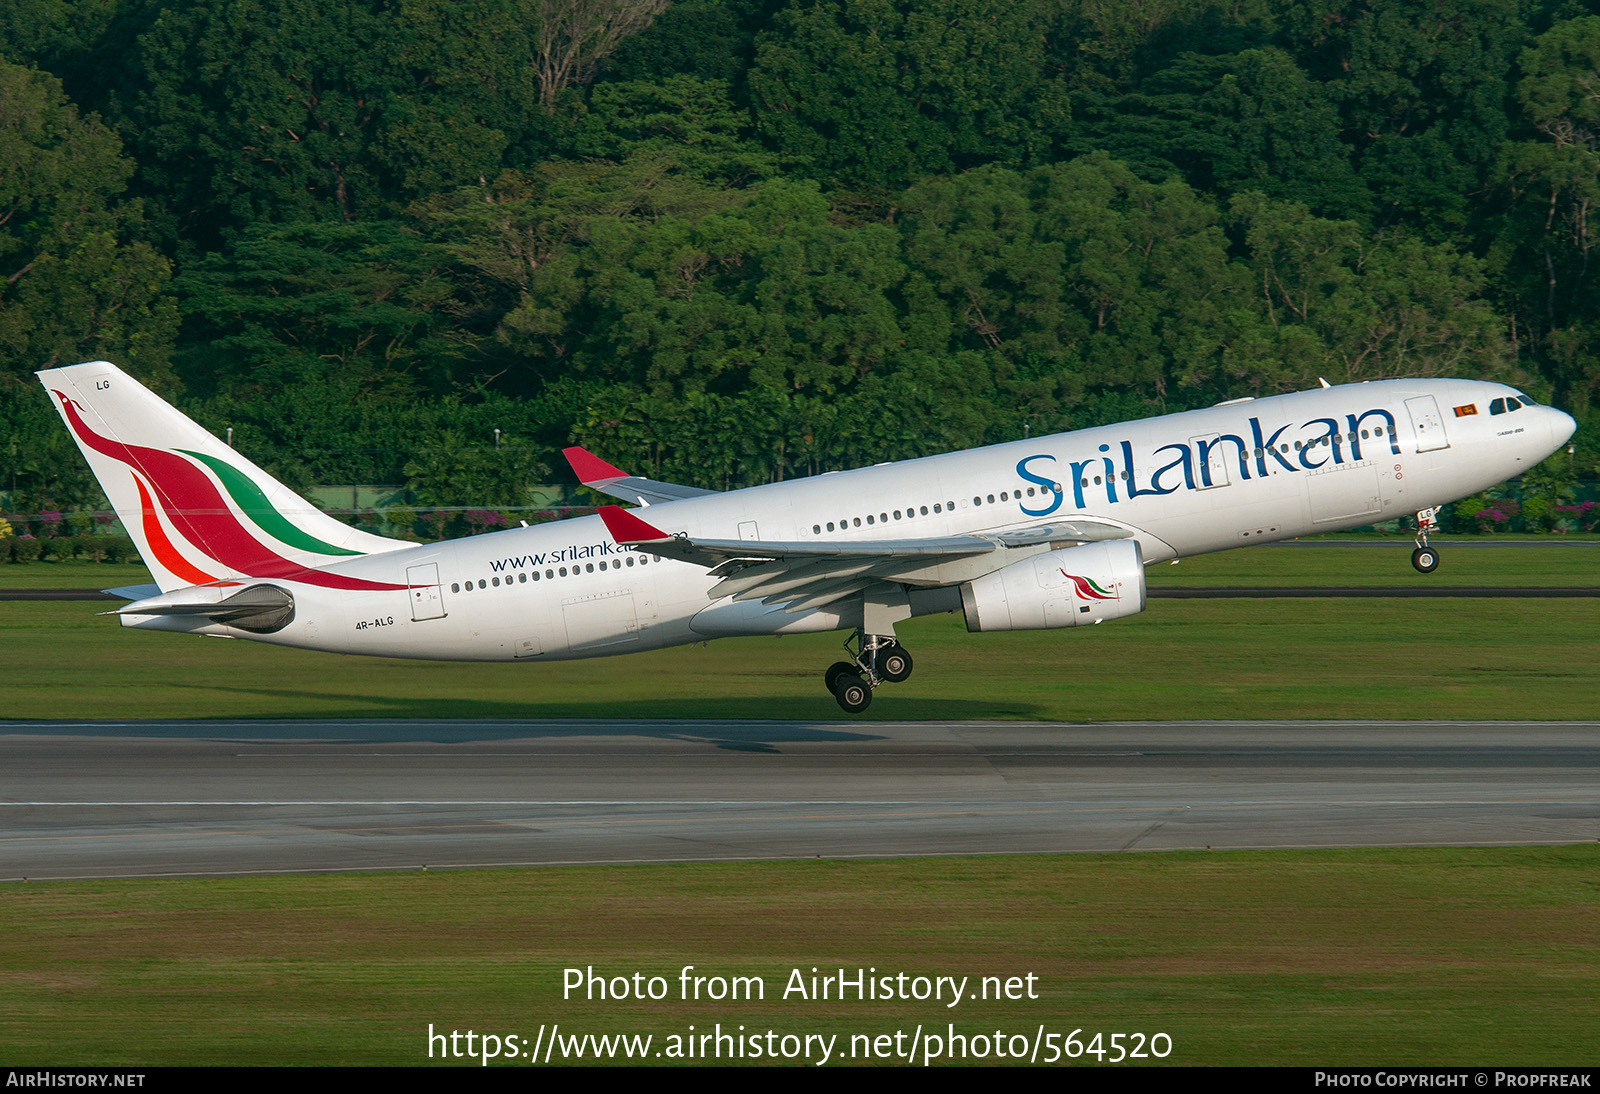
(1067, 588)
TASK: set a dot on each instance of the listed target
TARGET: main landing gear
(877, 658)
(1425, 558)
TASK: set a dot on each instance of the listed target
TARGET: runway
(216, 798)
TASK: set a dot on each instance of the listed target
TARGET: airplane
(1048, 532)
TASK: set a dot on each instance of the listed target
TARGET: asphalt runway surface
(218, 798)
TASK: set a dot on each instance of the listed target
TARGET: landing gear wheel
(854, 694)
(1425, 559)
(836, 670)
(894, 663)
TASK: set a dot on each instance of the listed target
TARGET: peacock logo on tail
(175, 491)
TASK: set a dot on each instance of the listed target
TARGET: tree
(707, 39)
(1083, 277)
(1548, 189)
(366, 306)
(572, 37)
(689, 122)
(880, 92)
(1406, 71)
(76, 282)
(1350, 304)
(333, 112)
(1244, 121)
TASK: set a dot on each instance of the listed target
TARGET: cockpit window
(1497, 407)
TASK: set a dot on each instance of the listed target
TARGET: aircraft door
(1212, 459)
(427, 597)
(1427, 424)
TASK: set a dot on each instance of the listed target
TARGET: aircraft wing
(597, 474)
(810, 575)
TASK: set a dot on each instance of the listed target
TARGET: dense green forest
(731, 241)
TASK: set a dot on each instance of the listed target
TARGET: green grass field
(1353, 957)
(1477, 956)
(1488, 561)
(1388, 562)
(1289, 658)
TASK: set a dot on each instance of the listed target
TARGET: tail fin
(198, 511)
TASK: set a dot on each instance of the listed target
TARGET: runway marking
(531, 824)
(390, 868)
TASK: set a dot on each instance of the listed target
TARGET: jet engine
(1067, 588)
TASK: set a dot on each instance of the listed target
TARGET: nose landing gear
(1425, 558)
(877, 659)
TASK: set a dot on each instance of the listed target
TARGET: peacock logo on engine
(1089, 589)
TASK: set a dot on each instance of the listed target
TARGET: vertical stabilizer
(198, 511)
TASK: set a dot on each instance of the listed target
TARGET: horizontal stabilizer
(134, 592)
(597, 474)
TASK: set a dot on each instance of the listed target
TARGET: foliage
(365, 304)
(1244, 121)
(75, 280)
(333, 112)
(879, 92)
(733, 241)
(572, 37)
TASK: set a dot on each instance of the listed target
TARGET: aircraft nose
(1562, 427)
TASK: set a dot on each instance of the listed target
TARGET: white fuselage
(1182, 484)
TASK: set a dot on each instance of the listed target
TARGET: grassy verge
(1318, 658)
(1489, 561)
(1388, 565)
(1376, 957)
(72, 575)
